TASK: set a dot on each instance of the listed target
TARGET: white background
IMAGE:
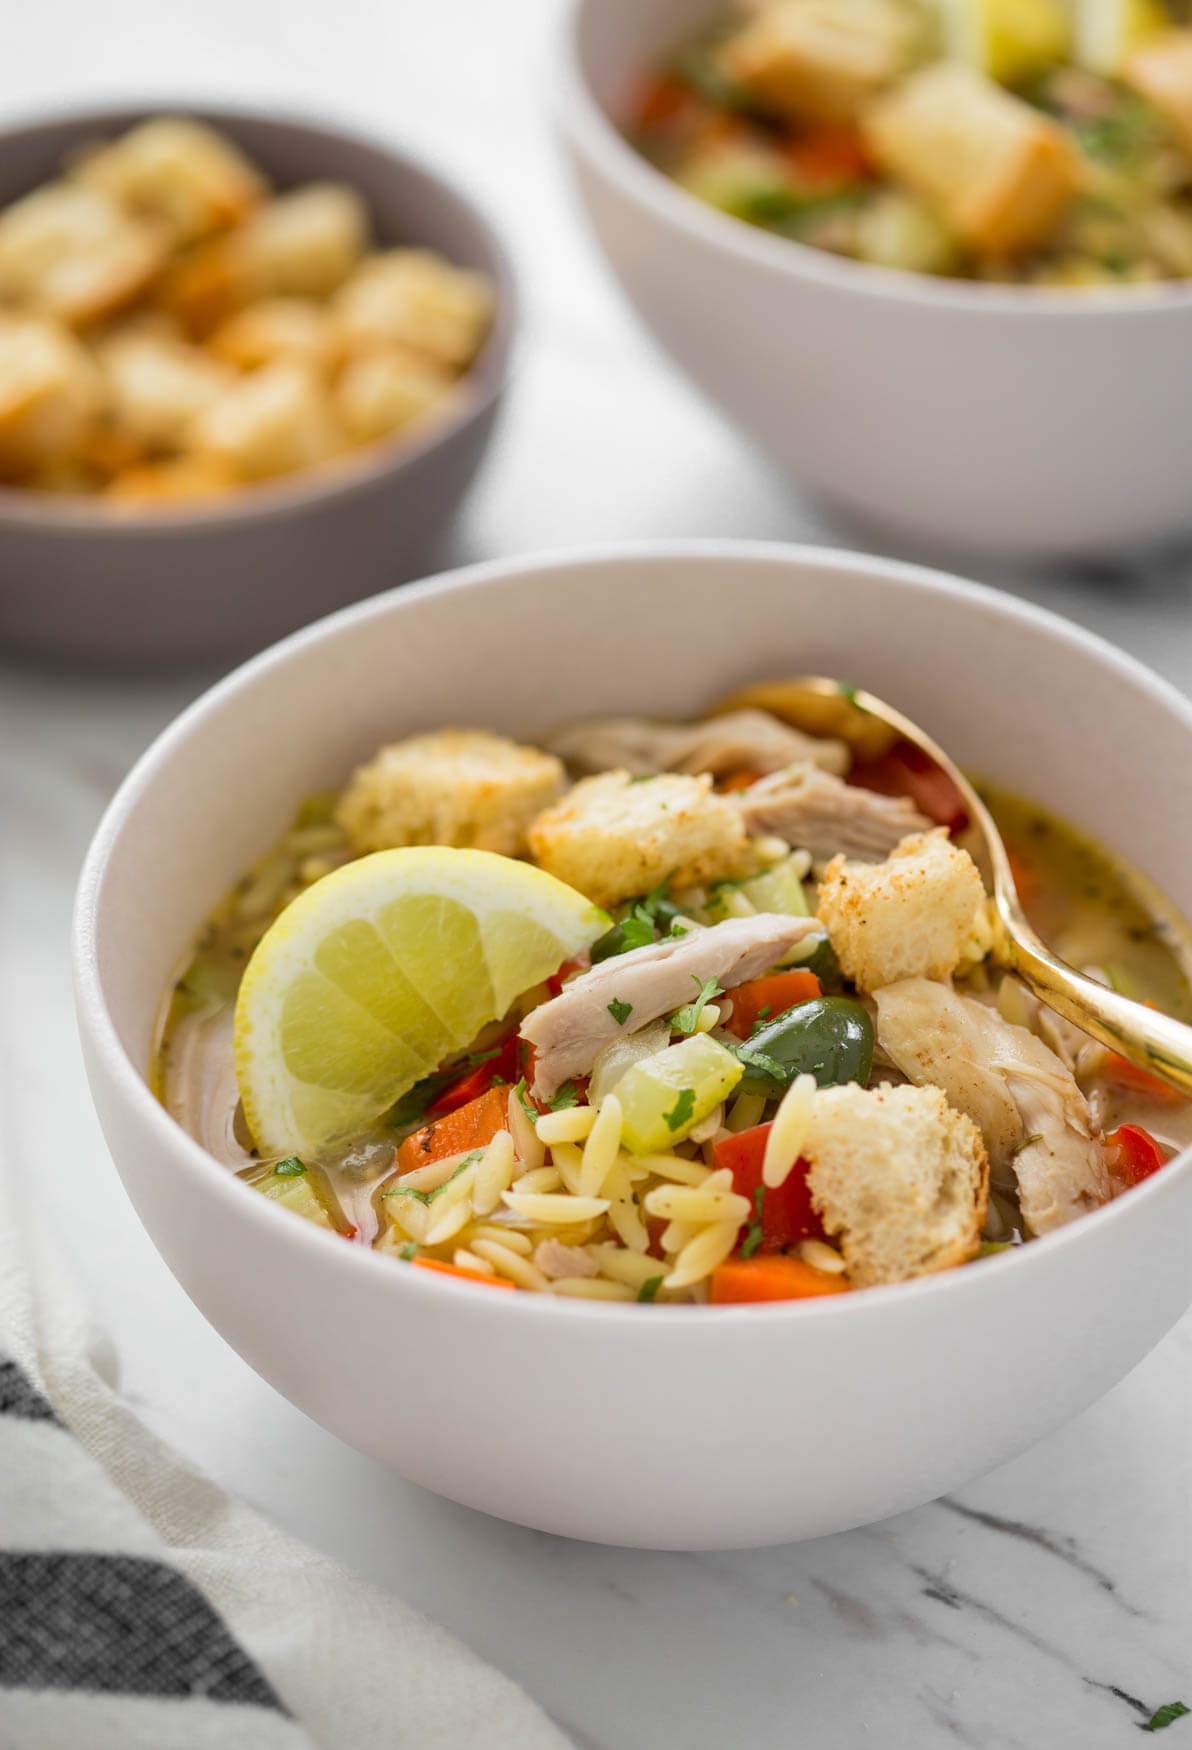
(1005, 1618)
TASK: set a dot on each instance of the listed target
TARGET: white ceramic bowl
(1009, 421)
(667, 1426)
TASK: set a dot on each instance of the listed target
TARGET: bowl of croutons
(935, 260)
(248, 368)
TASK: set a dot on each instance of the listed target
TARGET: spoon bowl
(1155, 1042)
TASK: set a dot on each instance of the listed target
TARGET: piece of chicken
(1038, 1127)
(751, 741)
(816, 811)
(570, 1031)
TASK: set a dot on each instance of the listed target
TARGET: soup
(667, 1012)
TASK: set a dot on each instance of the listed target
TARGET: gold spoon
(1154, 1041)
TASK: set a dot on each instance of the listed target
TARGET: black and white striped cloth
(141, 1608)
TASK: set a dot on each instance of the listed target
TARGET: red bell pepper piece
(776, 993)
(479, 1079)
(1134, 1153)
(787, 1214)
(905, 770)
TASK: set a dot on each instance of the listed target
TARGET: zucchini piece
(295, 1186)
(664, 1097)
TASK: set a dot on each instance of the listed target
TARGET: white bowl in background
(1016, 422)
(678, 1427)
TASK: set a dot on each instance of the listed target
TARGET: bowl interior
(1017, 695)
(619, 42)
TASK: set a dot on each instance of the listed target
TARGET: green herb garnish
(475, 1057)
(408, 1251)
(620, 1011)
(637, 930)
(565, 1098)
(682, 1109)
(763, 1015)
(290, 1169)
(1163, 1716)
(649, 1288)
(759, 1060)
(686, 1020)
(427, 1197)
(527, 1105)
(753, 1234)
(847, 691)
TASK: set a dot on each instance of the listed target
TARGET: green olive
(830, 1038)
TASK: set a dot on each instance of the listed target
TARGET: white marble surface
(1049, 1605)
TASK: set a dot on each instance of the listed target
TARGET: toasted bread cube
(276, 328)
(384, 392)
(899, 1177)
(614, 838)
(998, 173)
(413, 298)
(451, 787)
(914, 914)
(69, 251)
(275, 421)
(824, 60)
(180, 172)
(306, 243)
(181, 480)
(1160, 70)
(50, 395)
(157, 386)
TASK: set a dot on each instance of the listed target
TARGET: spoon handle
(1147, 1037)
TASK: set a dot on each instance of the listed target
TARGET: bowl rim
(343, 477)
(188, 1156)
(587, 125)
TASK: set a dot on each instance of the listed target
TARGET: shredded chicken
(557, 1261)
(739, 741)
(1038, 1127)
(569, 1032)
(813, 809)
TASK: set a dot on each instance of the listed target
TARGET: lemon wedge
(378, 972)
(1107, 31)
(1011, 40)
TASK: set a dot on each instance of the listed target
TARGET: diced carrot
(741, 779)
(1132, 1075)
(779, 1278)
(786, 1212)
(1134, 1154)
(459, 1270)
(470, 1126)
(778, 992)
(829, 157)
(1026, 878)
(662, 102)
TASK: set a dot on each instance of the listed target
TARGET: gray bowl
(77, 580)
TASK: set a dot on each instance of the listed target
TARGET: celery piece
(778, 889)
(664, 1097)
(299, 1190)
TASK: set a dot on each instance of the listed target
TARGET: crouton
(414, 298)
(912, 915)
(276, 328)
(998, 173)
(614, 838)
(383, 391)
(273, 422)
(451, 787)
(157, 386)
(189, 178)
(69, 251)
(1160, 70)
(50, 395)
(898, 1177)
(179, 481)
(824, 60)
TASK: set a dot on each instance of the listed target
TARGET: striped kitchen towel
(141, 1608)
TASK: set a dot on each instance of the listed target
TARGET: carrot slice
(459, 1270)
(1132, 1075)
(781, 1278)
(470, 1126)
(777, 993)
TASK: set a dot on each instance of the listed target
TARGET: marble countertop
(1049, 1605)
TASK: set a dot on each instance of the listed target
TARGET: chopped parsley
(847, 691)
(637, 930)
(759, 1060)
(686, 1020)
(475, 1057)
(428, 1197)
(763, 1015)
(649, 1289)
(682, 1109)
(527, 1105)
(1163, 1716)
(408, 1251)
(753, 1234)
(289, 1169)
(620, 1011)
(641, 777)
(1027, 1142)
(565, 1097)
